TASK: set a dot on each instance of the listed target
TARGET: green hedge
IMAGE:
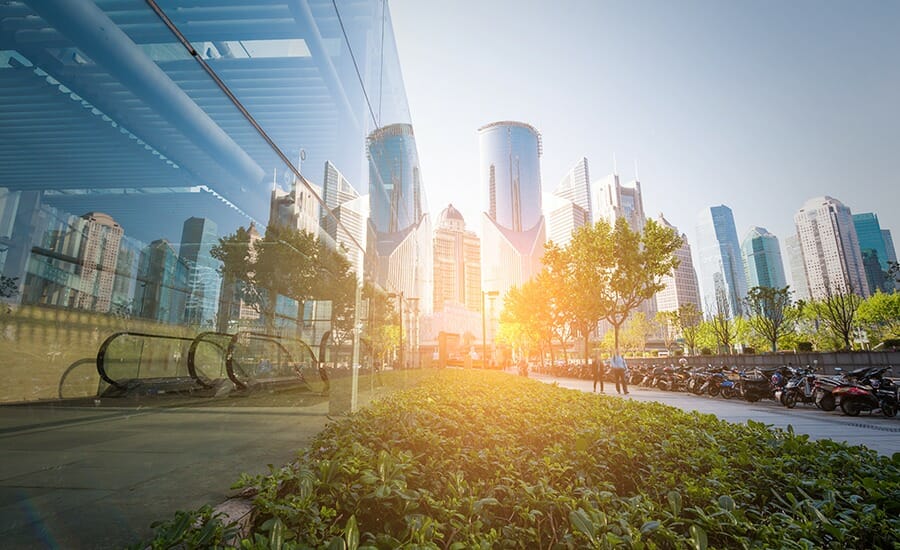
(486, 460)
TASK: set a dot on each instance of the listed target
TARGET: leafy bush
(474, 459)
(804, 346)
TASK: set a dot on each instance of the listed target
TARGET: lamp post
(413, 333)
(492, 294)
(400, 300)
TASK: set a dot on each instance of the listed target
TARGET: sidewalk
(876, 431)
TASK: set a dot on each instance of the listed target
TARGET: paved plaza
(874, 431)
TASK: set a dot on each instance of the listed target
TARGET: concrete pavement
(874, 431)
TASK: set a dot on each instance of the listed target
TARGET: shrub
(804, 346)
(481, 459)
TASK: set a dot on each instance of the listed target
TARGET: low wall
(827, 361)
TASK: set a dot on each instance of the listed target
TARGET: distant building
(198, 237)
(889, 245)
(457, 263)
(347, 206)
(576, 187)
(681, 286)
(161, 293)
(794, 252)
(830, 248)
(763, 264)
(401, 240)
(297, 208)
(513, 224)
(876, 259)
(612, 200)
(563, 217)
(722, 279)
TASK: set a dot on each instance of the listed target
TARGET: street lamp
(400, 296)
(492, 294)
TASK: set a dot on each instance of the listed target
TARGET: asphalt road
(874, 431)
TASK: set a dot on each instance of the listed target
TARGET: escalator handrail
(229, 356)
(101, 353)
(192, 367)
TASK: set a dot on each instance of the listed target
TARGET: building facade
(763, 263)
(722, 280)
(513, 224)
(797, 267)
(681, 286)
(874, 250)
(198, 237)
(457, 263)
(612, 201)
(576, 187)
(830, 248)
(563, 218)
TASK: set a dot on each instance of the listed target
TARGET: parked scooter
(872, 394)
(800, 387)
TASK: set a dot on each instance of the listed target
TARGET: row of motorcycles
(866, 389)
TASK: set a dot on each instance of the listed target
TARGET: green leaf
(674, 498)
(698, 537)
(351, 533)
(726, 503)
(649, 527)
(337, 543)
(581, 522)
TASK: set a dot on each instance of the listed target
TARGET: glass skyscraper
(874, 251)
(762, 259)
(722, 278)
(513, 225)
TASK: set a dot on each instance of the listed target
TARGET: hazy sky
(756, 105)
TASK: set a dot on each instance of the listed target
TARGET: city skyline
(756, 106)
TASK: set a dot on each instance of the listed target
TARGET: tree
(639, 260)
(667, 322)
(880, 313)
(238, 257)
(722, 324)
(637, 330)
(837, 313)
(687, 321)
(770, 313)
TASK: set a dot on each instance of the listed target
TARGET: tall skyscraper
(794, 252)
(889, 245)
(336, 190)
(612, 201)
(563, 218)
(351, 209)
(576, 187)
(722, 279)
(457, 263)
(514, 232)
(297, 208)
(830, 248)
(401, 246)
(681, 285)
(99, 252)
(874, 251)
(198, 237)
(162, 284)
(763, 265)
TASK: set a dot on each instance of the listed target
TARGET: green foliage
(880, 314)
(771, 314)
(482, 460)
(198, 529)
(837, 315)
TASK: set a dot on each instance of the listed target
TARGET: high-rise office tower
(830, 248)
(198, 237)
(347, 207)
(613, 200)
(336, 190)
(162, 284)
(401, 229)
(99, 252)
(889, 245)
(514, 232)
(722, 279)
(297, 208)
(457, 263)
(794, 253)
(563, 218)
(681, 286)
(763, 265)
(874, 251)
(576, 187)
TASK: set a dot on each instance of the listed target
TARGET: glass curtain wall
(163, 168)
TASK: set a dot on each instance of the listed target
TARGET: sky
(756, 105)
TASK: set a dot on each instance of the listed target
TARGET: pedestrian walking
(618, 370)
(597, 371)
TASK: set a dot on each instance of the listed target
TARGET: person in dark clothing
(597, 371)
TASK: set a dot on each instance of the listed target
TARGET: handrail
(101, 353)
(274, 338)
(192, 351)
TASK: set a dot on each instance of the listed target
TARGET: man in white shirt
(617, 363)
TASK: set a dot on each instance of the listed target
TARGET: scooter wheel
(851, 407)
(889, 411)
(789, 399)
(713, 390)
(727, 393)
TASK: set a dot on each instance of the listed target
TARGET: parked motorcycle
(872, 394)
(800, 387)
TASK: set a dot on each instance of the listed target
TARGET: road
(874, 431)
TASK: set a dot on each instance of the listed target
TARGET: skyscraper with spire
(723, 281)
